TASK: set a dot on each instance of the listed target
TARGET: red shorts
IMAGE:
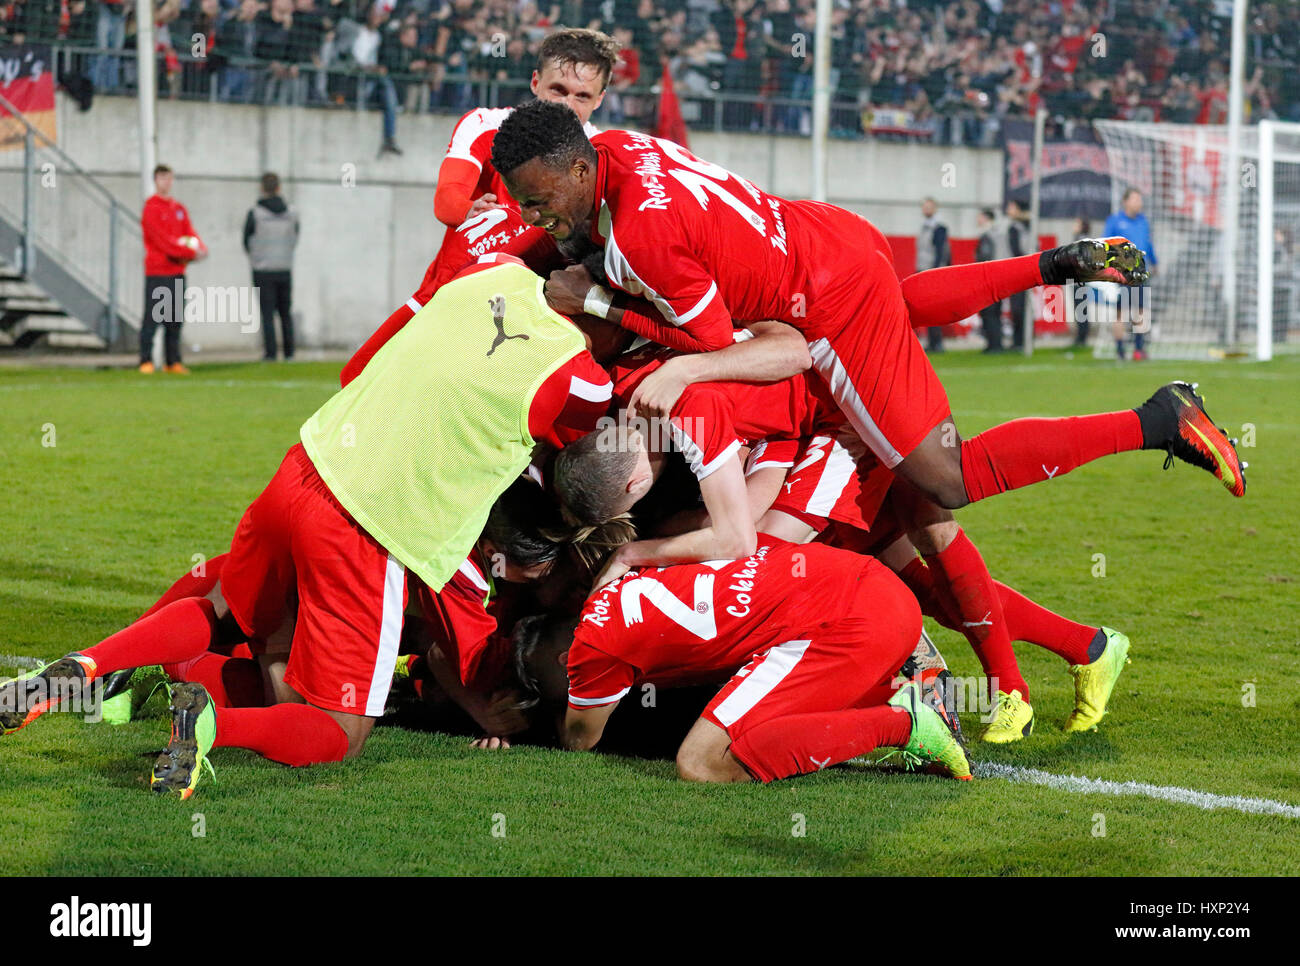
(295, 540)
(863, 345)
(845, 663)
(834, 477)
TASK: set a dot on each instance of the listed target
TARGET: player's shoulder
(482, 123)
(485, 118)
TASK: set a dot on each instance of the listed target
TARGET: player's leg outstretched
(25, 698)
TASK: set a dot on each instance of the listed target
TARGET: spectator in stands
(620, 106)
(204, 20)
(1130, 222)
(270, 238)
(365, 55)
(237, 40)
(933, 250)
(170, 244)
(110, 34)
(407, 65)
(986, 250)
(275, 44)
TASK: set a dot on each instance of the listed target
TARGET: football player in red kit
(573, 69)
(808, 641)
(315, 540)
(707, 247)
(832, 478)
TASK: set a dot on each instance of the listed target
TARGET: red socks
(232, 682)
(963, 584)
(191, 586)
(1025, 620)
(179, 631)
(1026, 451)
(292, 734)
(942, 296)
(1028, 621)
(801, 743)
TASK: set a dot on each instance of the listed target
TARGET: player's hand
(481, 204)
(490, 743)
(566, 289)
(657, 393)
(614, 568)
(502, 715)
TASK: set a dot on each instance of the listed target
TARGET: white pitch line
(1168, 793)
(20, 661)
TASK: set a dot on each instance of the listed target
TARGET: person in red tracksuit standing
(170, 244)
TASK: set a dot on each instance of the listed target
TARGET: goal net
(1225, 226)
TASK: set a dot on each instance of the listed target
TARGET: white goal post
(1227, 282)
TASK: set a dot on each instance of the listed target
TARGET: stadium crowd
(946, 70)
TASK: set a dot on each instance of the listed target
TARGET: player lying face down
(808, 639)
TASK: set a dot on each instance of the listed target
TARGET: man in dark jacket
(986, 251)
(932, 251)
(270, 237)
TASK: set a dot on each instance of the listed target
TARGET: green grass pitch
(146, 472)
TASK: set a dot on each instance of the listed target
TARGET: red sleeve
(461, 172)
(640, 317)
(676, 283)
(571, 402)
(459, 621)
(703, 428)
(160, 236)
(457, 180)
(392, 325)
(595, 678)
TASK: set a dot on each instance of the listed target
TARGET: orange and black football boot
(1174, 420)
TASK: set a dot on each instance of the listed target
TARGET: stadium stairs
(61, 248)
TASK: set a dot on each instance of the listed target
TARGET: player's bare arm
(776, 351)
(584, 727)
(729, 535)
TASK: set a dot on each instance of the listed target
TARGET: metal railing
(248, 81)
(69, 217)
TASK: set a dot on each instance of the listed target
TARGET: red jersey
(163, 222)
(712, 420)
(698, 623)
(463, 620)
(707, 246)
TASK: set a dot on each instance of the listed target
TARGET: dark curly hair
(518, 522)
(540, 129)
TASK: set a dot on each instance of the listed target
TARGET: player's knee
(694, 767)
(935, 537)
